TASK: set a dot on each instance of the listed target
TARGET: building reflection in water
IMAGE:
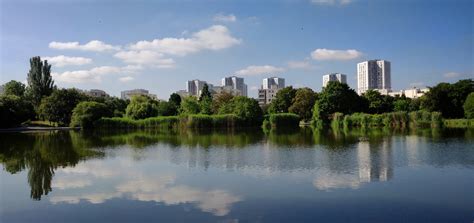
(375, 161)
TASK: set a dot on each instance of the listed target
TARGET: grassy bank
(175, 122)
(281, 120)
(458, 123)
(392, 119)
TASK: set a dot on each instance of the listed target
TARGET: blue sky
(158, 45)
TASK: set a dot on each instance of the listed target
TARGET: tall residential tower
(374, 74)
(236, 83)
(342, 78)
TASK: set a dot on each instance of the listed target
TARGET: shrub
(59, 105)
(165, 122)
(86, 113)
(141, 107)
(469, 106)
(14, 111)
(286, 120)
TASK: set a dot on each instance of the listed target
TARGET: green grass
(458, 123)
(282, 120)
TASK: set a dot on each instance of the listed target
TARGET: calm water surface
(240, 176)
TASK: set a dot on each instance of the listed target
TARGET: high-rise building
(269, 89)
(130, 93)
(235, 83)
(96, 93)
(342, 78)
(194, 87)
(268, 82)
(374, 74)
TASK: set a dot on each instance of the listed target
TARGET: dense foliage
(59, 105)
(14, 88)
(283, 100)
(336, 97)
(87, 112)
(377, 103)
(469, 106)
(448, 98)
(40, 82)
(14, 111)
(141, 107)
(303, 103)
(190, 105)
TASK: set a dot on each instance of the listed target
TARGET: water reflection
(149, 166)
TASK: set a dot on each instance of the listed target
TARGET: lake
(247, 175)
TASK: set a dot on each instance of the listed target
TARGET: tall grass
(285, 120)
(459, 123)
(165, 122)
(392, 119)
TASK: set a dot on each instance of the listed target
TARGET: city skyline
(165, 45)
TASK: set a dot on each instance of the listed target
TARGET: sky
(159, 45)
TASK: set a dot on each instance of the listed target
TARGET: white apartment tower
(374, 74)
(269, 89)
(236, 83)
(342, 78)
(194, 87)
(268, 82)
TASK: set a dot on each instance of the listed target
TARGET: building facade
(194, 87)
(342, 78)
(269, 89)
(374, 75)
(96, 93)
(269, 82)
(235, 83)
(127, 95)
(410, 93)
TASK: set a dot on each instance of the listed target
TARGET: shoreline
(37, 129)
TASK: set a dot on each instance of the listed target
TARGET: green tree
(14, 111)
(336, 97)
(283, 100)
(14, 88)
(59, 105)
(166, 108)
(219, 100)
(245, 108)
(141, 107)
(40, 82)
(87, 112)
(190, 105)
(378, 103)
(303, 103)
(448, 98)
(469, 106)
(401, 105)
(175, 99)
(116, 106)
(205, 93)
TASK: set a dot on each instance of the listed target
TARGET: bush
(165, 122)
(14, 111)
(86, 113)
(142, 107)
(469, 106)
(284, 120)
(59, 105)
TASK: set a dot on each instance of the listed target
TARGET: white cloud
(93, 75)
(126, 79)
(331, 2)
(451, 75)
(258, 70)
(300, 65)
(336, 181)
(66, 183)
(225, 18)
(145, 57)
(94, 45)
(61, 60)
(327, 54)
(216, 37)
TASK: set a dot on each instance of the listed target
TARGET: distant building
(96, 93)
(269, 89)
(269, 82)
(182, 93)
(236, 83)
(130, 93)
(374, 75)
(342, 78)
(410, 93)
(194, 87)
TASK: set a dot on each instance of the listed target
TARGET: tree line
(42, 100)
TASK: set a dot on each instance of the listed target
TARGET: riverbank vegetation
(336, 105)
